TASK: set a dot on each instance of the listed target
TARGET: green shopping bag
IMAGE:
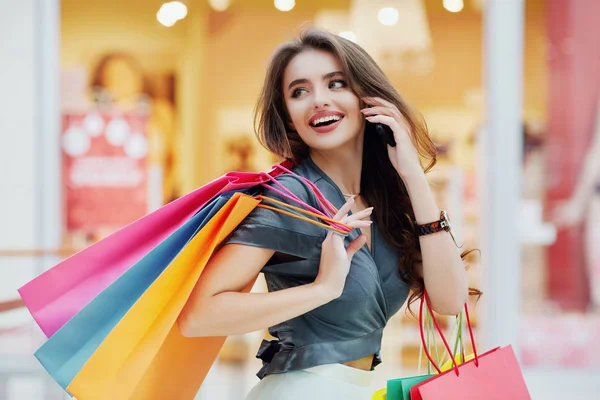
(399, 389)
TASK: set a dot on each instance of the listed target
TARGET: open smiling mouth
(326, 121)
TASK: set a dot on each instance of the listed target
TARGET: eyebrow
(304, 80)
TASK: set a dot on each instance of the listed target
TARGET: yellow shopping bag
(145, 356)
(448, 364)
(380, 394)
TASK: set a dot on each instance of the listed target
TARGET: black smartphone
(385, 133)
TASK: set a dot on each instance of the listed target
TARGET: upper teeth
(327, 118)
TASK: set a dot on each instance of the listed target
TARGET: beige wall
(90, 28)
(227, 53)
(238, 51)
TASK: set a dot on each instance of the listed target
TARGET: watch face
(446, 221)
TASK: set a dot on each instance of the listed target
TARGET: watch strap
(428, 229)
(433, 227)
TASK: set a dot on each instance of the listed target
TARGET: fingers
(390, 112)
(359, 224)
(376, 110)
(384, 105)
(387, 108)
(378, 101)
(344, 210)
(360, 214)
(357, 220)
(384, 119)
(355, 245)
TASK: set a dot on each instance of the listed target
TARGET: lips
(327, 128)
(324, 114)
(331, 119)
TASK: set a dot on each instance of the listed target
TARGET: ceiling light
(219, 5)
(388, 16)
(165, 18)
(171, 12)
(454, 5)
(284, 5)
(178, 9)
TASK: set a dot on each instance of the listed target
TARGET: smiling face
(322, 107)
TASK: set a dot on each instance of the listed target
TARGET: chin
(329, 141)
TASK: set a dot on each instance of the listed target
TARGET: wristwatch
(443, 224)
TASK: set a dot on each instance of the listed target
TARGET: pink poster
(104, 170)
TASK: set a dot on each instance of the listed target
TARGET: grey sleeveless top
(345, 329)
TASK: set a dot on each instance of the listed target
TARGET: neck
(342, 165)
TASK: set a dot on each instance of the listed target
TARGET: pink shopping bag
(59, 293)
(494, 375)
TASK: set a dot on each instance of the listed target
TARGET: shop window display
(560, 291)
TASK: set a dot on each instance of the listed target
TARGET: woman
(330, 297)
(584, 207)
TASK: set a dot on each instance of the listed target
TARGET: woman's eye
(298, 92)
(338, 84)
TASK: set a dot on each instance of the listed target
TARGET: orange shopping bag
(145, 356)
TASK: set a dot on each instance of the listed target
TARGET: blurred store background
(110, 109)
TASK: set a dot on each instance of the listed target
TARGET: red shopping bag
(494, 375)
(59, 293)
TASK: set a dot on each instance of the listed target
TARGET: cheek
(297, 112)
(351, 103)
(353, 109)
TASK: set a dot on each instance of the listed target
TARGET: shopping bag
(65, 352)
(399, 389)
(494, 375)
(145, 356)
(379, 395)
(449, 364)
(59, 293)
(120, 362)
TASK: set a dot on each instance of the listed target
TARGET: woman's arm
(217, 308)
(443, 269)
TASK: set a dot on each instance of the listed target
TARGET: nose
(320, 99)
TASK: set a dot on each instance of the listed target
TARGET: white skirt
(324, 382)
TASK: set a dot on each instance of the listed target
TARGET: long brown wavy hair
(381, 186)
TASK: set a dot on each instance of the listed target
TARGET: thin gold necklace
(350, 195)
